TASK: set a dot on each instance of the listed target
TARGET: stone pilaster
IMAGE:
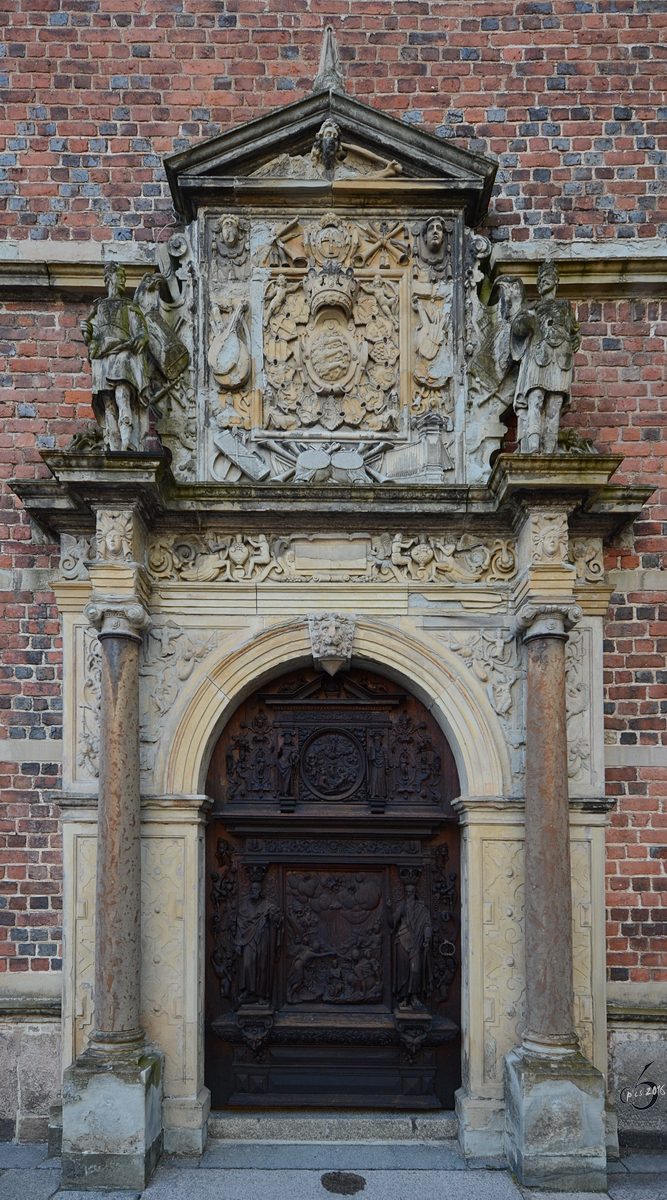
(554, 1097)
(112, 1095)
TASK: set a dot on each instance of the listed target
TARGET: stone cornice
(588, 270)
(83, 482)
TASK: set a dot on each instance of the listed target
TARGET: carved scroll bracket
(331, 639)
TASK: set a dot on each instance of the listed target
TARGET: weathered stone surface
(555, 1122)
(8, 1082)
(112, 1123)
(638, 1085)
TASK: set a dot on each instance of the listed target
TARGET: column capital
(546, 619)
(117, 616)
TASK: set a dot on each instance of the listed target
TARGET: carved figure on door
(288, 765)
(377, 766)
(411, 925)
(258, 936)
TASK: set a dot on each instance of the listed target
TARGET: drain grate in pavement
(343, 1183)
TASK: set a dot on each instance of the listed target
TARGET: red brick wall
(569, 94)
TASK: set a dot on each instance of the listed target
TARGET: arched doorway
(332, 958)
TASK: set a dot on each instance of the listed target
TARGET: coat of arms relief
(338, 326)
(332, 349)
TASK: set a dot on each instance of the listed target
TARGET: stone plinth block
(555, 1122)
(112, 1123)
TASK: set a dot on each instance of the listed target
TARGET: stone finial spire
(329, 74)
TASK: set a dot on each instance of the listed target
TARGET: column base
(185, 1122)
(112, 1121)
(481, 1126)
(555, 1121)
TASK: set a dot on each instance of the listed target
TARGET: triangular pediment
(273, 153)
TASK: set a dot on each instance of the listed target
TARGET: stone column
(112, 1095)
(554, 1097)
(118, 899)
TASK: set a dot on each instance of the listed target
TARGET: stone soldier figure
(116, 335)
(411, 925)
(258, 926)
(544, 339)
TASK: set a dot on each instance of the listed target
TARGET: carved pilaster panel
(86, 669)
(503, 951)
(582, 949)
(83, 957)
(163, 965)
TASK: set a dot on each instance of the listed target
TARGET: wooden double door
(332, 932)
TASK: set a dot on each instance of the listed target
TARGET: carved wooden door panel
(332, 929)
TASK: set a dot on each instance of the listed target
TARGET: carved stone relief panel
(582, 950)
(549, 537)
(580, 708)
(330, 351)
(360, 557)
(83, 984)
(503, 951)
(587, 555)
(496, 659)
(163, 964)
(170, 655)
(87, 669)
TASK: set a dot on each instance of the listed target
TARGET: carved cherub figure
(544, 340)
(277, 292)
(116, 335)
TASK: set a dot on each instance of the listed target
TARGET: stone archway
(427, 668)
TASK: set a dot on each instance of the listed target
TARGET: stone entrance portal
(333, 960)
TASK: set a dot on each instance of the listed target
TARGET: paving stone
(307, 1185)
(18, 1157)
(28, 1185)
(647, 1163)
(638, 1187)
(535, 1194)
(65, 1195)
(334, 1156)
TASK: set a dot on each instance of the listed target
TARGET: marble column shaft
(549, 984)
(118, 910)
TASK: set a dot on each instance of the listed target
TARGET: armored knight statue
(544, 340)
(411, 925)
(116, 335)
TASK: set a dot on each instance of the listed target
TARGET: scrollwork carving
(588, 558)
(577, 700)
(88, 738)
(74, 554)
(381, 558)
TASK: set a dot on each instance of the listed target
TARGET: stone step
(404, 1155)
(295, 1125)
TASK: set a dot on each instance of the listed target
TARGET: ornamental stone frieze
(362, 558)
